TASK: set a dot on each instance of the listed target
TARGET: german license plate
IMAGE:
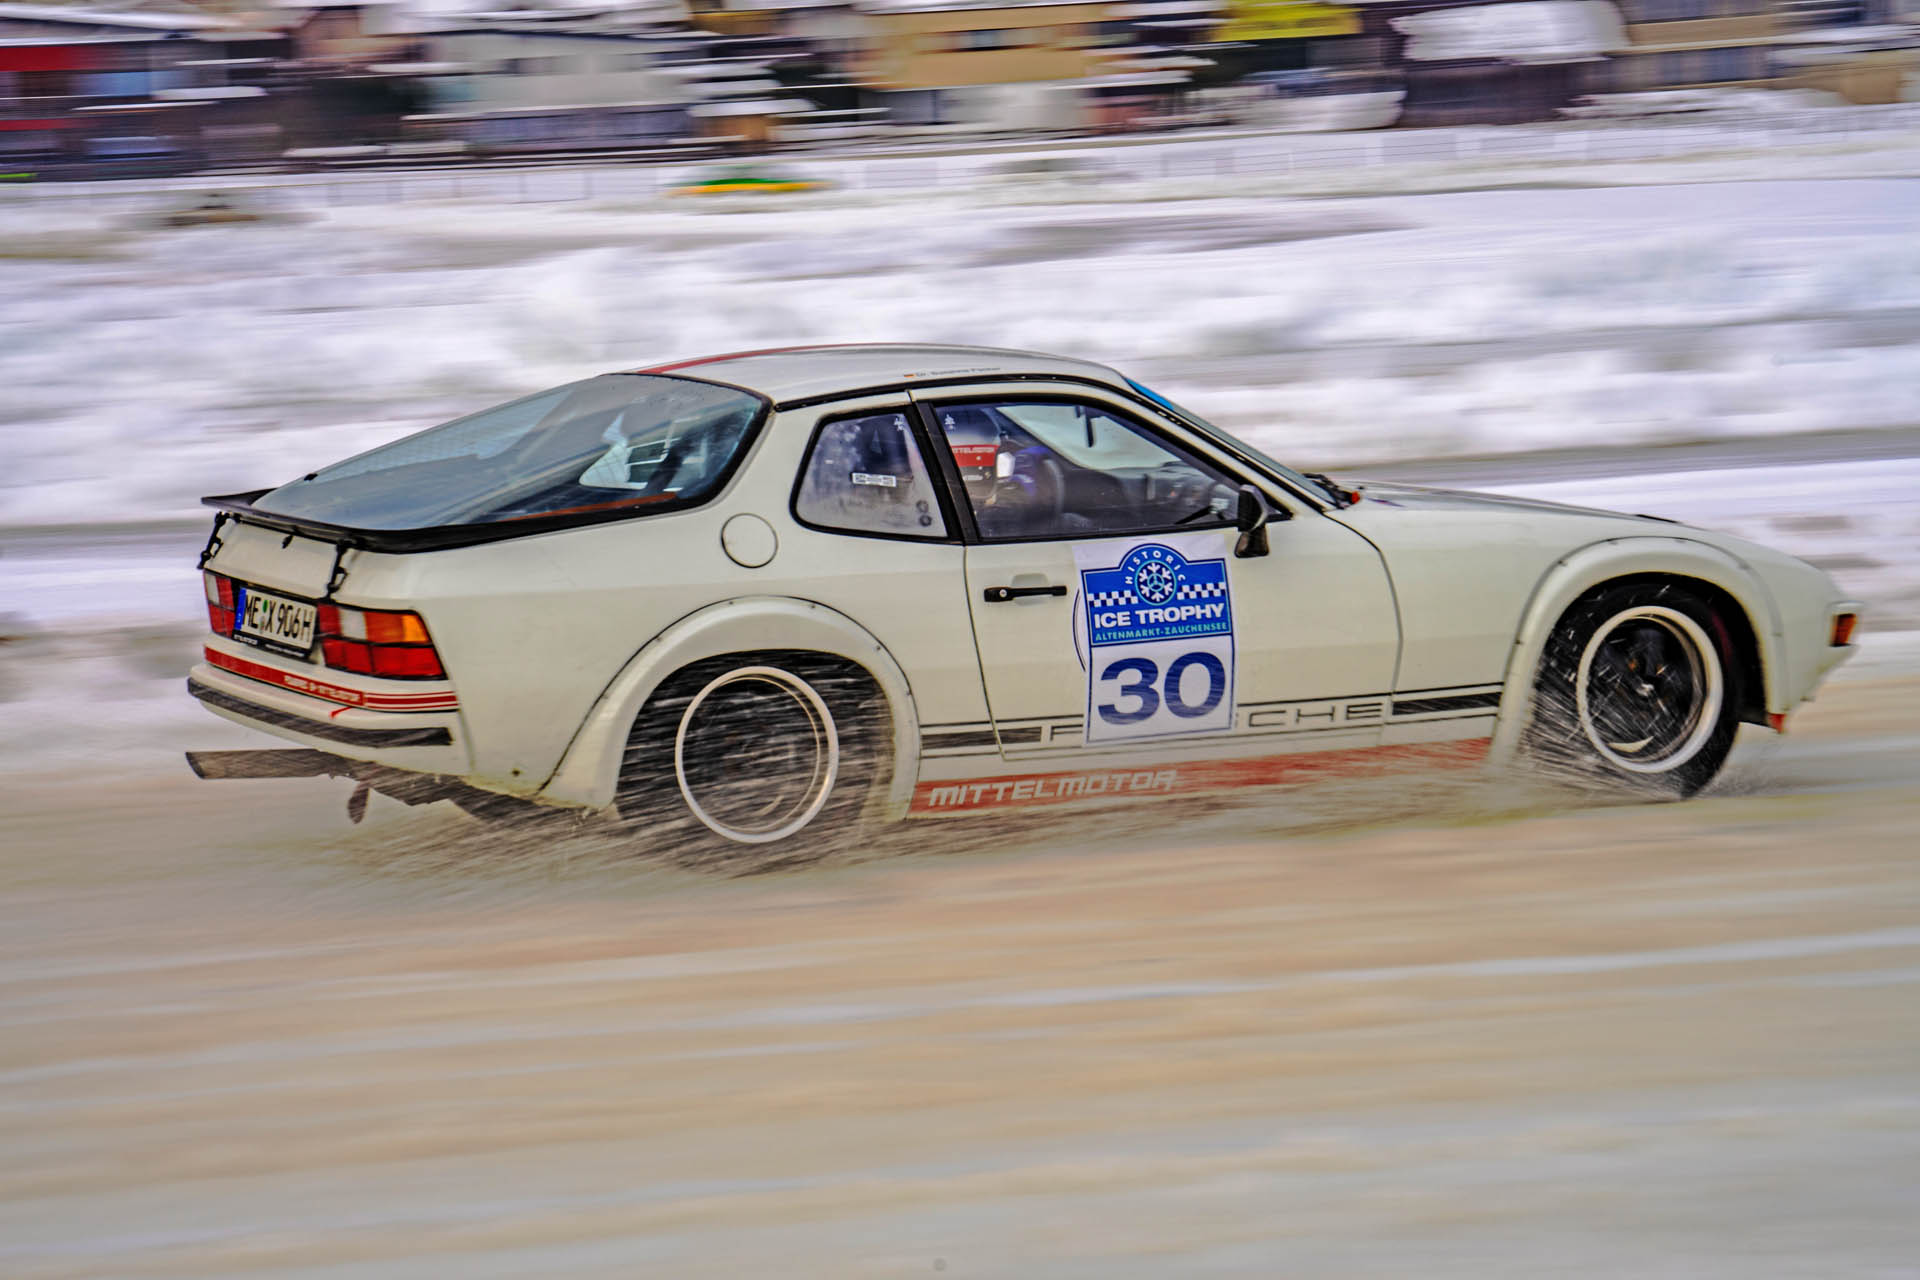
(273, 622)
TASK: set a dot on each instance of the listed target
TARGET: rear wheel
(752, 762)
(1637, 691)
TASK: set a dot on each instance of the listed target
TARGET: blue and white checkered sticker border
(1158, 620)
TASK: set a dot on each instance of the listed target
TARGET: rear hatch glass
(607, 446)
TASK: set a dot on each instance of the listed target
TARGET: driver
(998, 469)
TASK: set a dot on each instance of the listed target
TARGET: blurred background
(1653, 255)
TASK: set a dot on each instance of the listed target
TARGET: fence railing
(1221, 157)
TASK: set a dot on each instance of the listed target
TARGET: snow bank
(1860, 521)
(157, 366)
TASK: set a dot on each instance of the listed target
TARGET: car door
(1112, 617)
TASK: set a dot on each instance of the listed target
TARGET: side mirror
(1251, 519)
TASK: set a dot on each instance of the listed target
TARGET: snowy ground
(145, 368)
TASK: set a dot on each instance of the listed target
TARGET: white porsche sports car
(751, 600)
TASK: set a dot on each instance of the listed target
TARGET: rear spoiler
(239, 506)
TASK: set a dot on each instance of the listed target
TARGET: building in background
(990, 66)
(176, 84)
(1301, 65)
(1830, 45)
(1673, 44)
(347, 32)
(112, 91)
(1864, 51)
(1293, 35)
(510, 88)
(1500, 63)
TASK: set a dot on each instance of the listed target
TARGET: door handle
(1000, 595)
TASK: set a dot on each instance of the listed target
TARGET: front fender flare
(589, 772)
(1578, 572)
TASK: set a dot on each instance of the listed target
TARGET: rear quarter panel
(534, 631)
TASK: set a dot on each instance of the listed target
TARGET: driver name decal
(1158, 624)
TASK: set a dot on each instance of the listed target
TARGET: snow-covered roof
(1128, 80)
(544, 109)
(1892, 34)
(743, 86)
(936, 6)
(1516, 31)
(422, 68)
(1166, 8)
(112, 17)
(746, 107)
(40, 42)
(209, 93)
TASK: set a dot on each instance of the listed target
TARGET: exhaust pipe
(291, 763)
(398, 784)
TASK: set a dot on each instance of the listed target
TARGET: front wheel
(1637, 690)
(745, 765)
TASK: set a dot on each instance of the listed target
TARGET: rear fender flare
(589, 771)
(1578, 572)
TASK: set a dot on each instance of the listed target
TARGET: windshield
(619, 441)
(1234, 444)
(1086, 438)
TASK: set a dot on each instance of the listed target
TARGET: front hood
(1421, 498)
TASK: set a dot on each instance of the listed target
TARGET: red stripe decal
(1019, 791)
(331, 692)
(747, 355)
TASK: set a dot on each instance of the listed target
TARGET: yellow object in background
(1286, 20)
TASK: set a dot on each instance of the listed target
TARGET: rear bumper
(433, 736)
(420, 741)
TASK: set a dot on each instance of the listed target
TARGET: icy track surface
(145, 367)
(241, 1038)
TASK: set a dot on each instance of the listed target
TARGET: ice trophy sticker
(1159, 636)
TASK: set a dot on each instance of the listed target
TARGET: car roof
(810, 373)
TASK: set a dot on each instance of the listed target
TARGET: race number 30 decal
(1159, 630)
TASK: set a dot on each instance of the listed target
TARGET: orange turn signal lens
(384, 627)
(391, 643)
(1843, 624)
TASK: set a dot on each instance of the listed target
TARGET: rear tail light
(392, 643)
(1843, 625)
(219, 603)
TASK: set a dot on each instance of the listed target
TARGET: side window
(866, 475)
(1066, 469)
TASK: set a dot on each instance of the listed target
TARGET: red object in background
(49, 57)
(974, 455)
(32, 59)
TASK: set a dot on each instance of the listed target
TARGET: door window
(1070, 469)
(865, 475)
